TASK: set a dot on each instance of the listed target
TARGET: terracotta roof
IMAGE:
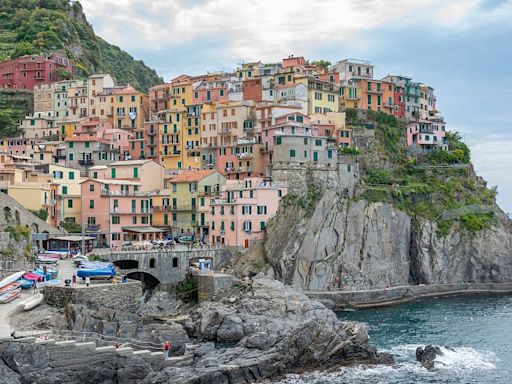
(186, 176)
(125, 91)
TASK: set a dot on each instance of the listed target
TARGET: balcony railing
(375, 90)
(125, 211)
(92, 227)
(85, 161)
(108, 192)
(59, 157)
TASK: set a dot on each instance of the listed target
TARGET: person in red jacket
(167, 349)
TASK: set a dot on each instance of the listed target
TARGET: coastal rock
(426, 356)
(346, 244)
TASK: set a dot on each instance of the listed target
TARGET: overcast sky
(463, 48)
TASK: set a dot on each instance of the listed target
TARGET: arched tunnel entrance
(149, 280)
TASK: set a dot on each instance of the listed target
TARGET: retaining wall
(398, 295)
(123, 296)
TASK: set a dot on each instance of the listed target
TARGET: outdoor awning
(71, 238)
(142, 229)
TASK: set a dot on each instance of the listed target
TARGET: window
(279, 141)
(318, 142)
(95, 175)
(133, 98)
(152, 263)
(87, 144)
(116, 236)
(91, 187)
(262, 225)
(71, 157)
(292, 152)
(70, 203)
(64, 190)
(116, 219)
(134, 219)
(175, 262)
(113, 173)
(71, 175)
(369, 99)
(91, 204)
(135, 172)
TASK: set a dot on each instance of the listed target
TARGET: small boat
(34, 301)
(106, 272)
(11, 279)
(47, 282)
(79, 258)
(53, 271)
(25, 284)
(95, 265)
(32, 276)
(10, 296)
(9, 288)
(46, 260)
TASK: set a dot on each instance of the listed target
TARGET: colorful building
(426, 135)
(239, 217)
(26, 72)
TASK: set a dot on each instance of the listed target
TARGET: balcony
(59, 157)
(183, 208)
(85, 161)
(244, 156)
(108, 192)
(92, 227)
(177, 153)
(375, 90)
(224, 132)
(353, 97)
(162, 208)
(151, 133)
(124, 211)
(387, 105)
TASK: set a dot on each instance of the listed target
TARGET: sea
(475, 334)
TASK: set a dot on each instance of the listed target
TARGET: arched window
(151, 263)
(175, 262)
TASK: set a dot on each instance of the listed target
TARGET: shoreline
(338, 300)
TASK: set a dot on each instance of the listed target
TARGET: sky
(462, 48)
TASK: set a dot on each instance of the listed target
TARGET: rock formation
(426, 356)
(355, 245)
(275, 329)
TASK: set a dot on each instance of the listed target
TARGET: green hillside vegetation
(38, 26)
(14, 105)
(441, 186)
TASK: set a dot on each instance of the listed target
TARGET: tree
(323, 64)
(71, 226)
(42, 213)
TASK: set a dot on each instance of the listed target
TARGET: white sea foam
(456, 362)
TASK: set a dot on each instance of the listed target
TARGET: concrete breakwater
(403, 294)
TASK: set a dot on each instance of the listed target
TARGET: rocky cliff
(400, 220)
(354, 244)
(273, 329)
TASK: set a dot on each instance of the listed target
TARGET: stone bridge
(166, 267)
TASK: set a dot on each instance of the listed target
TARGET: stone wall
(123, 296)
(211, 283)
(398, 295)
(13, 213)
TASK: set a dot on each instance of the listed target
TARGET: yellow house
(34, 195)
(161, 216)
(351, 96)
(189, 195)
(323, 96)
(130, 108)
(180, 136)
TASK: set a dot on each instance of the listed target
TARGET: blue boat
(26, 284)
(104, 272)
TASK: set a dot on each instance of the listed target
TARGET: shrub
(348, 150)
(18, 232)
(475, 222)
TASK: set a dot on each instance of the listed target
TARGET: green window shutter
(87, 144)
(262, 225)
(71, 175)
(135, 172)
(292, 152)
(71, 157)
(166, 219)
(133, 98)
(64, 190)
(113, 173)
(71, 144)
(279, 140)
(134, 205)
(91, 204)
(70, 203)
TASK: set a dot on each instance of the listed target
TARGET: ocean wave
(455, 362)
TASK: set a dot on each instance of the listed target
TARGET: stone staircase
(70, 354)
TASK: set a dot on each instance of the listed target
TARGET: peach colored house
(240, 216)
(210, 92)
(118, 211)
(146, 172)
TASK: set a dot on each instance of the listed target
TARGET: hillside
(425, 219)
(14, 105)
(35, 26)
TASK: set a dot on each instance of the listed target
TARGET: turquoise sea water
(479, 329)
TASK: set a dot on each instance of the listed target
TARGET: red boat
(33, 276)
(10, 296)
(9, 287)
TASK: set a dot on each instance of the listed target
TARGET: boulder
(426, 356)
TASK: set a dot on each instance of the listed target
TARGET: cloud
(264, 29)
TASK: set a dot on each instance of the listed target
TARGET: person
(74, 280)
(167, 349)
(87, 280)
(114, 280)
(34, 286)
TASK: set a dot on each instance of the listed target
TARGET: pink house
(425, 134)
(292, 124)
(209, 92)
(240, 216)
(118, 211)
